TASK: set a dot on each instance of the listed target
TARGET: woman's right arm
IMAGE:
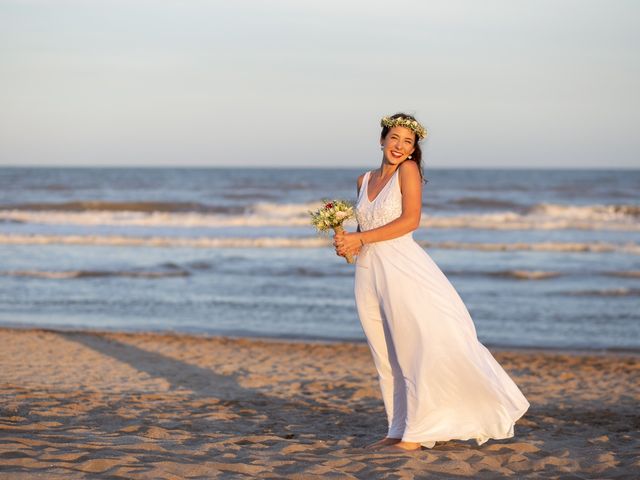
(359, 186)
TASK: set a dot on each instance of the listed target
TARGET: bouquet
(331, 215)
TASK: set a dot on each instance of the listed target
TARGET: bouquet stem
(339, 229)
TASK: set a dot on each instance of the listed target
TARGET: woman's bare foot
(405, 446)
(383, 443)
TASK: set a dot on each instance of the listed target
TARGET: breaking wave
(106, 206)
(308, 242)
(526, 274)
(612, 292)
(187, 215)
(64, 274)
(514, 274)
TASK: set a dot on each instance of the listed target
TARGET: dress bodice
(386, 207)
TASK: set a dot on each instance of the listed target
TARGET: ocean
(541, 258)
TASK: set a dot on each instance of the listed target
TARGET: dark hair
(416, 156)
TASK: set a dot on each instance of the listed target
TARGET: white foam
(541, 217)
(201, 242)
(530, 274)
(306, 242)
(43, 274)
(544, 217)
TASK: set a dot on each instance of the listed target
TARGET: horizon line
(312, 167)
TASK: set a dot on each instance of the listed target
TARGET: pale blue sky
(304, 83)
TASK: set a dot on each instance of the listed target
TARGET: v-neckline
(366, 191)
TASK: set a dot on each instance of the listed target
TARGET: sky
(497, 83)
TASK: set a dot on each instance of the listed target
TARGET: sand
(115, 405)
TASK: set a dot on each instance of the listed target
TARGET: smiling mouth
(396, 154)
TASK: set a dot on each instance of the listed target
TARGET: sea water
(541, 258)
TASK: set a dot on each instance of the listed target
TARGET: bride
(438, 381)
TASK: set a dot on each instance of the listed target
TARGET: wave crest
(262, 214)
(301, 242)
(612, 292)
(66, 274)
(111, 206)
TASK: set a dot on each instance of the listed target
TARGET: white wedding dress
(438, 381)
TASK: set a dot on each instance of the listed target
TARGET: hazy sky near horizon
(498, 83)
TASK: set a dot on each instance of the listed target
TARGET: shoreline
(164, 405)
(608, 351)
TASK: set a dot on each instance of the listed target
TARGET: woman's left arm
(408, 221)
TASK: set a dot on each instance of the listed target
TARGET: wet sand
(115, 405)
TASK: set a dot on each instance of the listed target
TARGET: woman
(438, 381)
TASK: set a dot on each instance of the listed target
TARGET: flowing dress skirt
(438, 381)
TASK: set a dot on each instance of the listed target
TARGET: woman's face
(398, 145)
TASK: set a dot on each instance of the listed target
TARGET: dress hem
(430, 443)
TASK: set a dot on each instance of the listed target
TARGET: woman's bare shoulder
(409, 176)
(409, 167)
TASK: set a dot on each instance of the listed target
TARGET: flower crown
(409, 123)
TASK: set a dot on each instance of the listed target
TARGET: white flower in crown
(409, 123)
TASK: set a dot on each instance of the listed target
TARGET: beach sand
(115, 405)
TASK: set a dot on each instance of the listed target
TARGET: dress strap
(365, 184)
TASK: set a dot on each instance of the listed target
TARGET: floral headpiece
(409, 123)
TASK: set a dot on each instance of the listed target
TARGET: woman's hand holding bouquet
(347, 243)
(331, 216)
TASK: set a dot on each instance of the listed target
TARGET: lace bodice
(387, 206)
